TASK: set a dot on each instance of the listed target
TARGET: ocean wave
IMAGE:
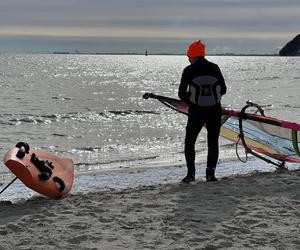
(61, 98)
(28, 120)
(60, 135)
(132, 112)
(17, 119)
(81, 167)
(290, 106)
(110, 114)
(116, 161)
(268, 78)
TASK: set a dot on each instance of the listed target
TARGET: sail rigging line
(8, 185)
(237, 153)
(243, 116)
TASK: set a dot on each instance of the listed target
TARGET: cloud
(171, 32)
(146, 13)
(167, 19)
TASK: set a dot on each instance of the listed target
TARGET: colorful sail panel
(268, 139)
(269, 136)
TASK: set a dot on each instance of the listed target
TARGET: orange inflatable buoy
(48, 174)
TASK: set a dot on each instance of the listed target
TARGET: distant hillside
(292, 48)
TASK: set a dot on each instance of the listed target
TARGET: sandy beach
(257, 211)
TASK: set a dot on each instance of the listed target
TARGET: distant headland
(153, 54)
(292, 48)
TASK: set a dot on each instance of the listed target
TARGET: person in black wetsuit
(202, 86)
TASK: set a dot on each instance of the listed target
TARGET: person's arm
(182, 91)
(221, 81)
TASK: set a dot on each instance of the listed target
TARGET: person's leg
(213, 131)
(193, 128)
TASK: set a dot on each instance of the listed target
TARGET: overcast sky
(248, 26)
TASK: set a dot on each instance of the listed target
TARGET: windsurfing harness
(261, 136)
(202, 84)
(205, 91)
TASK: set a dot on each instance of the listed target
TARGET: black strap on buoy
(8, 185)
(44, 167)
(60, 182)
(25, 145)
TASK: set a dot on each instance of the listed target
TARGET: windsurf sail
(260, 135)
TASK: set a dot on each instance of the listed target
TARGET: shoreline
(250, 212)
(137, 54)
(135, 176)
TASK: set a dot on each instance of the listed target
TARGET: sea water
(90, 108)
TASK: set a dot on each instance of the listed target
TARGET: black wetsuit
(200, 115)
